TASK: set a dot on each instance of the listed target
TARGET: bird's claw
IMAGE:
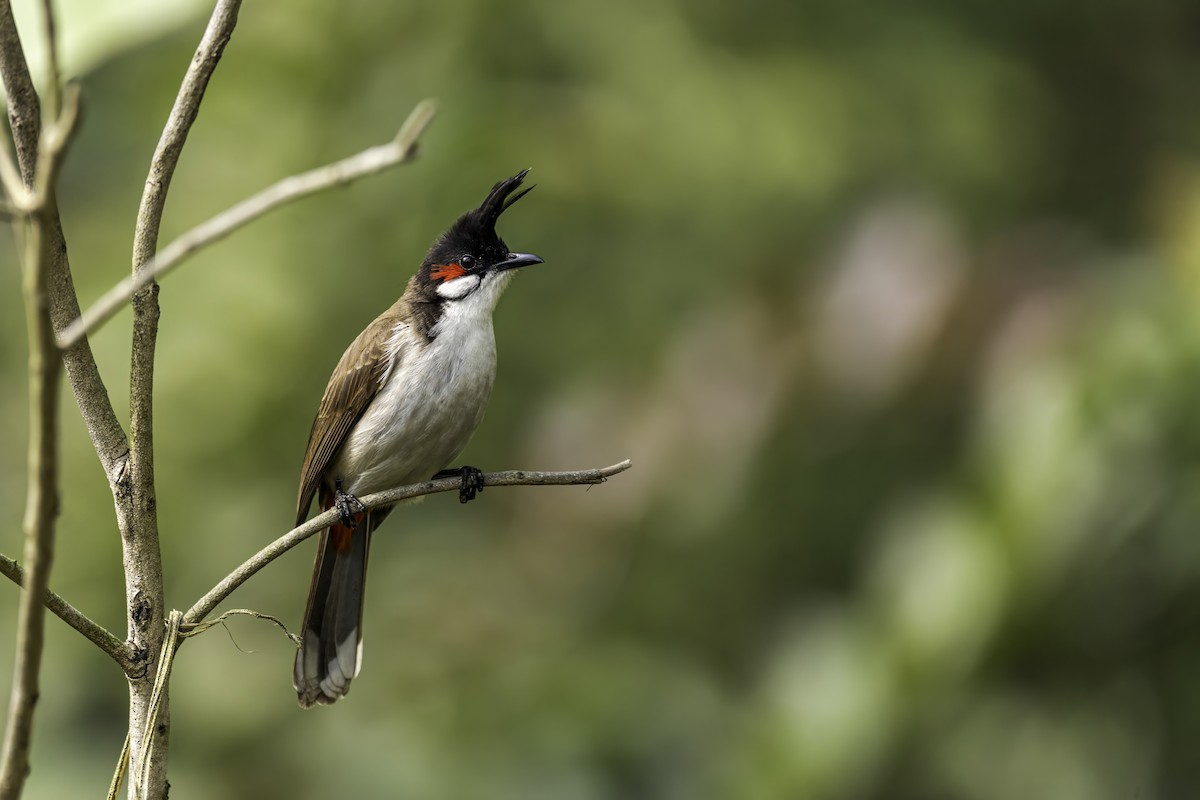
(472, 481)
(472, 484)
(347, 506)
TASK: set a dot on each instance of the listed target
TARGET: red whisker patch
(446, 272)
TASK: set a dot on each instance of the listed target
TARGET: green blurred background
(891, 304)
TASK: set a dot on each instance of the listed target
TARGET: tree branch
(20, 196)
(69, 614)
(375, 159)
(204, 606)
(53, 78)
(41, 502)
(179, 124)
(24, 116)
(40, 508)
(24, 107)
(141, 552)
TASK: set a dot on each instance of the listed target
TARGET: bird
(401, 404)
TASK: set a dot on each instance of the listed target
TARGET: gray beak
(515, 260)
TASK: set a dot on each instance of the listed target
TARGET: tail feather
(330, 653)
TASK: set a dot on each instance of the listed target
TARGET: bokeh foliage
(893, 306)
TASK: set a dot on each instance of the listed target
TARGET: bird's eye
(467, 262)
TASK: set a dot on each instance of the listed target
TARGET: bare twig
(158, 702)
(206, 604)
(375, 159)
(40, 508)
(55, 138)
(69, 614)
(20, 196)
(179, 124)
(141, 553)
(24, 116)
(41, 503)
(53, 77)
(114, 786)
(24, 107)
(200, 627)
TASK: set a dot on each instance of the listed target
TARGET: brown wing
(354, 383)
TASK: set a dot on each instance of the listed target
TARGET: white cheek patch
(458, 287)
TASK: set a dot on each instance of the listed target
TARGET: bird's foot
(472, 481)
(347, 506)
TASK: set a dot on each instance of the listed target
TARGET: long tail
(330, 653)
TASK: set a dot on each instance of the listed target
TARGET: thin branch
(24, 117)
(37, 199)
(23, 111)
(69, 614)
(206, 604)
(114, 786)
(158, 702)
(55, 139)
(375, 159)
(201, 627)
(24, 107)
(41, 502)
(140, 547)
(40, 508)
(19, 195)
(53, 78)
(179, 124)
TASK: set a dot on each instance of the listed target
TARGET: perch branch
(206, 604)
(69, 614)
(375, 159)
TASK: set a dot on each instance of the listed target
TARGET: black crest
(498, 201)
(475, 231)
(473, 234)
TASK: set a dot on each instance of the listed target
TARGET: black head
(472, 248)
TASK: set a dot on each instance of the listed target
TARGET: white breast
(431, 401)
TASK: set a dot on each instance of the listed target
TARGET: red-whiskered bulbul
(401, 404)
